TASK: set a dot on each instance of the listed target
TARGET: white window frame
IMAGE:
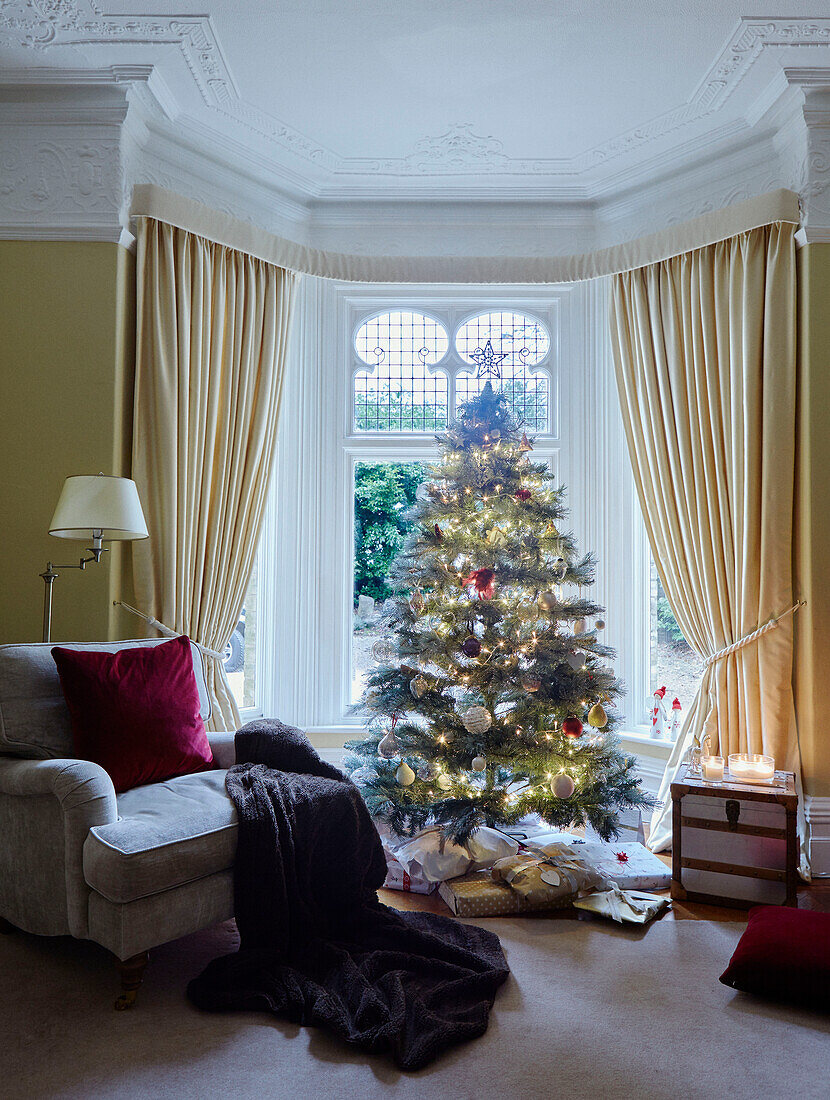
(304, 652)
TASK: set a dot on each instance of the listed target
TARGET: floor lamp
(97, 507)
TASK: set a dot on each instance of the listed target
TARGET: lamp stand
(50, 576)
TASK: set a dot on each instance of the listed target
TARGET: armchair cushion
(34, 720)
(167, 834)
(136, 712)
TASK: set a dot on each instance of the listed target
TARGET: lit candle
(749, 767)
(712, 768)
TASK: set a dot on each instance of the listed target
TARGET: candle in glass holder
(749, 767)
(712, 768)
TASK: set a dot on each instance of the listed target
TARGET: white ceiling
(348, 101)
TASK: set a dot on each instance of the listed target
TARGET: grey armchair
(128, 871)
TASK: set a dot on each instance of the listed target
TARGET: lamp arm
(50, 575)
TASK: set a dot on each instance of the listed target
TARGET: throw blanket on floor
(317, 947)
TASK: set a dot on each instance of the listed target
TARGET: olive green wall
(812, 528)
(65, 370)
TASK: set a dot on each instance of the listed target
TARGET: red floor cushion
(136, 711)
(784, 954)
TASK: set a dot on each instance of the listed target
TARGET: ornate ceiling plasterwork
(42, 24)
(466, 195)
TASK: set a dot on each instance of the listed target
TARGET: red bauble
(523, 494)
(471, 647)
(572, 727)
(484, 581)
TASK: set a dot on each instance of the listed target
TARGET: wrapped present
(398, 878)
(553, 872)
(476, 895)
(631, 866)
(531, 880)
(623, 906)
(433, 857)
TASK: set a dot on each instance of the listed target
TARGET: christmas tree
(491, 695)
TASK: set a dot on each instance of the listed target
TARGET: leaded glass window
(504, 348)
(402, 391)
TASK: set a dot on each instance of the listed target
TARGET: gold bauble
(562, 786)
(548, 601)
(597, 716)
(477, 720)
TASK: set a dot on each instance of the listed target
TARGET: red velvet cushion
(135, 712)
(784, 954)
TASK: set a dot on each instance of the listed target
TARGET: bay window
(376, 372)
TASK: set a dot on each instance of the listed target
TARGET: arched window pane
(401, 393)
(515, 339)
(504, 347)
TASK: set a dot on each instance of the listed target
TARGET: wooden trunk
(734, 844)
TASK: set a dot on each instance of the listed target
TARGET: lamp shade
(92, 503)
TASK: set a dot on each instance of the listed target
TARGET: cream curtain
(212, 330)
(704, 350)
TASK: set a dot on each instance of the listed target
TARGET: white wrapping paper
(623, 906)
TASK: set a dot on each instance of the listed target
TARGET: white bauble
(389, 746)
(443, 781)
(580, 626)
(477, 720)
(479, 763)
(405, 775)
(562, 786)
(548, 601)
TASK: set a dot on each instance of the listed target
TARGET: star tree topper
(487, 361)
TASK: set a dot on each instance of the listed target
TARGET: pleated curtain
(212, 333)
(704, 351)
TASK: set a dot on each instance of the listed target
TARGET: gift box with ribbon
(536, 878)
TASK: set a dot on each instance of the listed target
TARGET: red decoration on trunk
(484, 581)
(523, 494)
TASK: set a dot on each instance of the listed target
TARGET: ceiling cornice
(460, 190)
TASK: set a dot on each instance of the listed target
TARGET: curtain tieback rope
(165, 630)
(748, 638)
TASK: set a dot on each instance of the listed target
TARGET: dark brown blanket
(317, 947)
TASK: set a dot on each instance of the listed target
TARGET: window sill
(661, 744)
(334, 736)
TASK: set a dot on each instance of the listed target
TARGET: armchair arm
(222, 746)
(47, 808)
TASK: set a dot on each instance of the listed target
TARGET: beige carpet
(591, 1010)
